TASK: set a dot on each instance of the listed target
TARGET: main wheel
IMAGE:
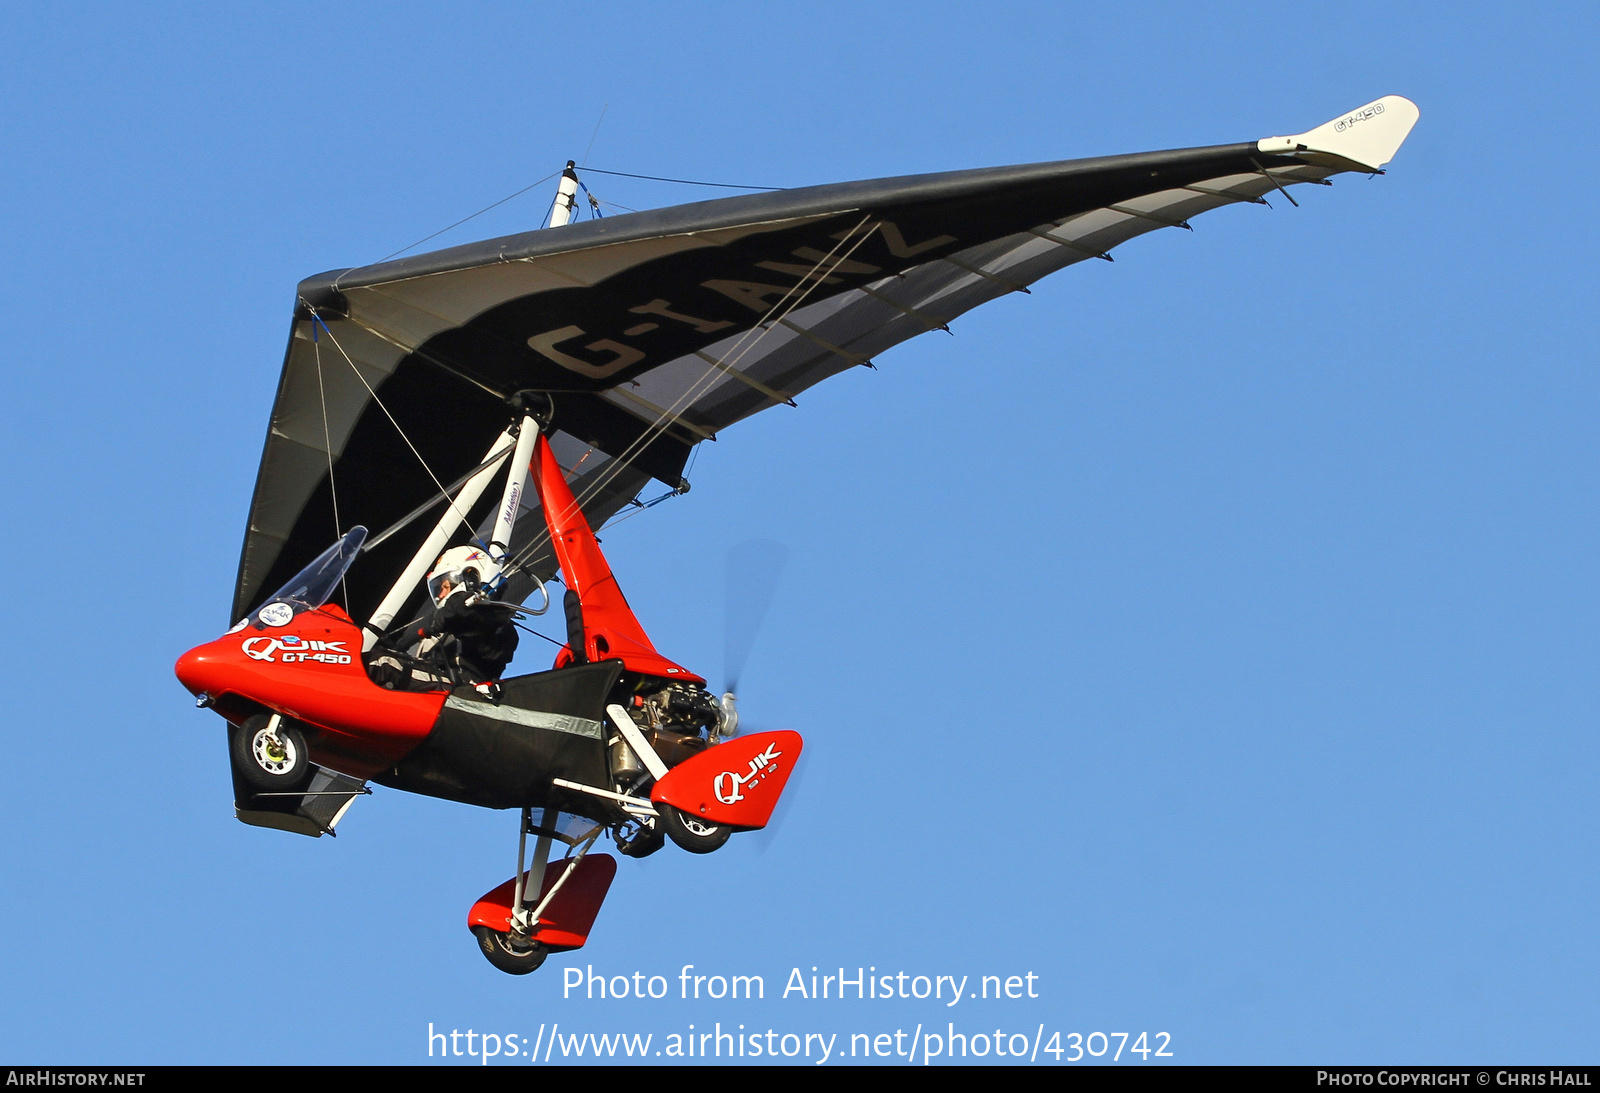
(695, 835)
(273, 760)
(499, 950)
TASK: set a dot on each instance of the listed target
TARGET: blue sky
(1210, 634)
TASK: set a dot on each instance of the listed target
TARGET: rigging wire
(553, 174)
(635, 507)
(604, 107)
(594, 202)
(317, 320)
(765, 325)
(768, 322)
(406, 520)
(680, 181)
(327, 444)
(536, 634)
(627, 457)
(464, 219)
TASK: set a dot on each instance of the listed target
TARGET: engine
(680, 708)
(678, 719)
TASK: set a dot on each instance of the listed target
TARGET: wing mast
(523, 433)
(566, 197)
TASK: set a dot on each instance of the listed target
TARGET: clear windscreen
(313, 586)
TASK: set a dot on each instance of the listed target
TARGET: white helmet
(462, 567)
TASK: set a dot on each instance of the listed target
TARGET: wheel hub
(273, 754)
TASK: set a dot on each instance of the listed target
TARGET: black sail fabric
(654, 331)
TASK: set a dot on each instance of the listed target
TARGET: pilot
(464, 638)
(484, 637)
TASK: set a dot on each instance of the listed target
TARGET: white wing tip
(1366, 137)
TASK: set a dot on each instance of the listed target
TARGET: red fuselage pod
(310, 669)
(738, 782)
(610, 628)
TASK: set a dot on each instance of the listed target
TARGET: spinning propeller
(751, 579)
(754, 569)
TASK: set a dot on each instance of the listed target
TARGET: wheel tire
(281, 767)
(498, 950)
(692, 833)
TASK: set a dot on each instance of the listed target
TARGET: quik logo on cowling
(727, 785)
(295, 650)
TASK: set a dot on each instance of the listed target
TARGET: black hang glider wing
(656, 330)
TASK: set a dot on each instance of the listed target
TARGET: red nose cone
(191, 669)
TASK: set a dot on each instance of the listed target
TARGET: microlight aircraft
(579, 363)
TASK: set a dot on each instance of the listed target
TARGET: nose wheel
(270, 754)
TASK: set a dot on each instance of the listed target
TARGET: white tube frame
(505, 517)
(634, 806)
(630, 732)
(455, 511)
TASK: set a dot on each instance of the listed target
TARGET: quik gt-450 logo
(729, 784)
(1357, 116)
(290, 649)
